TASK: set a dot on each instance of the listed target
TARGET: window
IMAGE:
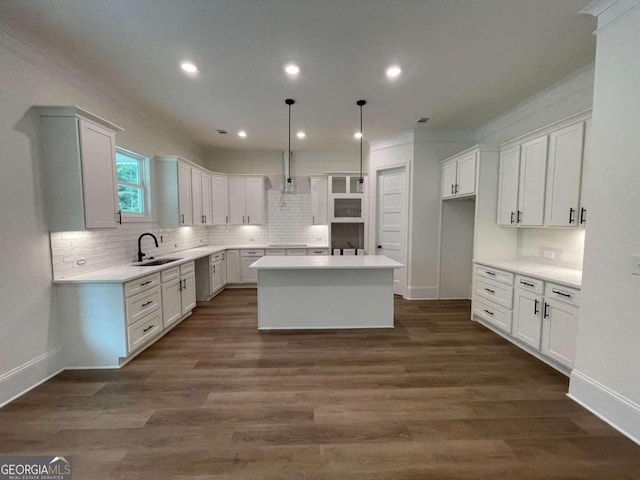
(133, 197)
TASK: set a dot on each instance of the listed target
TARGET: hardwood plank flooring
(438, 397)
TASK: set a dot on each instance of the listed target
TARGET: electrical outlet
(161, 238)
(251, 239)
(550, 254)
(81, 261)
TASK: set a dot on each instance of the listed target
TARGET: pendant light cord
(289, 101)
(361, 103)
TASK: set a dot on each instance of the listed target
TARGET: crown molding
(609, 12)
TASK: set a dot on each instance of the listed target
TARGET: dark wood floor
(438, 397)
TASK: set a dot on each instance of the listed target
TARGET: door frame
(373, 199)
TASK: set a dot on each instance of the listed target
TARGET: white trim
(422, 293)
(615, 409)
(609, 12)
(28, 376)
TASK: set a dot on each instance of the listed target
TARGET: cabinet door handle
(512, 215)
(313, 219)
(535, 306)
(546, 310)
(488, 311)
(243, 219)
(214, 269)
(148, 328)
(583, 215)
(490, 273)
(557, 292)
(119, 214)
(147, 303)
(522, 282)
(518, 216)
(571, 210)
(182, 218)
(180, 287)
(490, 291)
(248, 219)
(456, 189)
(226, 219)
(185, 284)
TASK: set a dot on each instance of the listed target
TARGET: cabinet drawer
(530, 284)
(495, 274)
(278, 252)
(495, 315)
(317, 251)
(564, 294)
(169, 274)
(187, 268)
(495, 292)
(251, 253)
(143, 331)
(142, 304)
(216, 257)
(296, 251)
(141, 284)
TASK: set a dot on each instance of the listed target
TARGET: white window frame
(145, 177)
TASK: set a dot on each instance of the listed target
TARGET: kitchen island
(319, 292)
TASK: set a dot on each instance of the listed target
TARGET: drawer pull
(147, 303)
(557, 292)
(489, 312)
(527, 283)
(146, 283)
(490, 273)
(490, 291)
(148, 328)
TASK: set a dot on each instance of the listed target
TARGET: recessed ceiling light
(301, 134)
(357, 135)
(189, 67)
(242, 133)
(394, 71)
(292, 69)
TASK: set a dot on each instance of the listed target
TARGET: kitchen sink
(155, 263)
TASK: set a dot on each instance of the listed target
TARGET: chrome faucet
(140, 254)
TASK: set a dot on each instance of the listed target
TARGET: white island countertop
(327, 262)
(542, 271)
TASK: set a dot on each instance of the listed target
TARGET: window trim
(145, 177)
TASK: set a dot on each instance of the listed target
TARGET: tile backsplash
(565, 246)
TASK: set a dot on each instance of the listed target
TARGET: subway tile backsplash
(565, 246)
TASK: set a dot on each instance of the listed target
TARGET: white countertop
(128, 271)
(325, 262)
(542, 271)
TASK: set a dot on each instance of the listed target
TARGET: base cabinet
(171, 302)
(527, 325)
(233, 266)
(188, 292)
(559, 331)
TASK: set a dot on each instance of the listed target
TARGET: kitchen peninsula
(318, 292)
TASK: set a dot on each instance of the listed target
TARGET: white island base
(320, 292)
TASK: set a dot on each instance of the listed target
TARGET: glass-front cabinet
(347, 198)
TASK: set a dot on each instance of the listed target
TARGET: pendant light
(361, 103)
(289, 102)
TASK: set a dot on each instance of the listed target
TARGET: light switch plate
(636, 264)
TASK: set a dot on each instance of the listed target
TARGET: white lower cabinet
(188, 292)
(141, 332)
(171, 302)
(233, 266)
(560, 323)
(217, 273)
(527, 324)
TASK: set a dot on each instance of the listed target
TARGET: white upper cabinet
(563, 176)
(79, 151)
(319, 200)
(459, 176)
(533, 170)
(207, 209)
(174, 196)
(246, 200)
(508, 186)
(220, 200)
(196, 197)
(185, 197)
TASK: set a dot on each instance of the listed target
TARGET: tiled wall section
(288, 222)
(107, 247)
(566, 244)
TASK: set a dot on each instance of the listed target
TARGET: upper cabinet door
(196, 197)
(220, 200)
(319, 201)
(97, 147)
(184, 195)
(533, 174)
(207, 214)
(508, 186)
(254, 188)
(237, 215)
(563, 176)
(449, 172)
(466, 184)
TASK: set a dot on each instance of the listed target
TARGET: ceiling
(463, 61)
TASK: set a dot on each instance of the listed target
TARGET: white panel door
(233, 266)
(527, 322)
(449, 173)
(237, 215)
(533, 177)
(319, 201)
(391, 222)
(171, 302)
(220, 199)
(560, 331)
(188, 292)
(97, 146)
(466, 184)
(508, 186)
(184, 195)
(207, 215)
(254, 200)
(196, 197)
(563, 176)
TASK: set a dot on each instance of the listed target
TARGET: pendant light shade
(361, 103)
(289, 102)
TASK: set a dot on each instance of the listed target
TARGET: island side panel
(325, 298)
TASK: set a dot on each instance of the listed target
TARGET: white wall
(30, 343)
(607, 375)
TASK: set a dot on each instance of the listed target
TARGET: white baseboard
(28, 376)
(421, 293)
(618, 411)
